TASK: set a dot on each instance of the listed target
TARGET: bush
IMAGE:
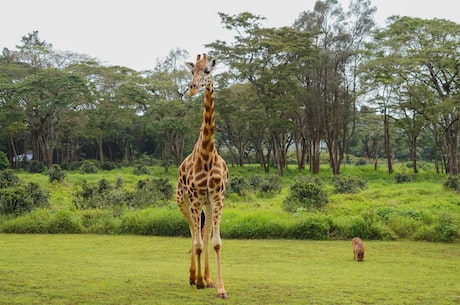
(151, 192)
(361, 162)
(316, 227)
(66, 222)
(270, 184)
(103, 195)
(36, 167)
(348, 184)
(22, 198)
(4, 162)
(8, 179)
(403, 178)
(238, 185)
(141, 170)
(447, 228)
(452, 183)
(56, 173)
(159, 222)
(305, 193)
(251, 226)
(88, 167)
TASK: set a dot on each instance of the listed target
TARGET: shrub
(270, 183)
(306, 193)
(108, 165)
(447, 228)
(88, 167)
(238, 185)
(360, 162)
(56, 173)
(316, 227)
(65, 222)
(159, 222)
(4, 163)
(141, 170)
(37, 221)
(348, 184)
(36, 167)
(22, 198)
(252, 226)
(8, 179)
(403, 178)
(452, 183)
(151, 192)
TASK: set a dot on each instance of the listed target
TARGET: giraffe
(201, 183)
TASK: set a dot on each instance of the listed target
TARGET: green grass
(102, 269)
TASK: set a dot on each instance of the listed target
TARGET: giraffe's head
(201, 71)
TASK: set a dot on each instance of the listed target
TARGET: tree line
(331, 84)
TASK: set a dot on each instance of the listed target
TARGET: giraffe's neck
(207, 127)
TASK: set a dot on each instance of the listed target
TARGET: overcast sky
(135, 33)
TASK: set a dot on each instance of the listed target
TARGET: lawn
(105, 269)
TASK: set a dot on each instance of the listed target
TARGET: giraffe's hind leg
(207, 226)
(184, 206)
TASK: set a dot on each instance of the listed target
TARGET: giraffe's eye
(207, 71)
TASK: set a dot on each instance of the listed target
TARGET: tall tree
(330, 80)
(426, 53)
(267, 59)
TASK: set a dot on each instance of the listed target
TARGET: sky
(136, 33)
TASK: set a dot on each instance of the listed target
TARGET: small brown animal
(358, 249)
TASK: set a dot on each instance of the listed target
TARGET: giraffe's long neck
(207, 127)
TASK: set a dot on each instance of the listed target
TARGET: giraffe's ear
(190, 66)
(213, 63)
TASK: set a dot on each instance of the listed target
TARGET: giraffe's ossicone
(202, 177)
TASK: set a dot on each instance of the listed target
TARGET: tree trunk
(451, 134)
(386, 124)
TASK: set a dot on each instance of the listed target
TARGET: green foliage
(88, 167)
(17, 197)
(151, 192)
(314, 226)
(4, 163)
(104, 195)
(403, 178)
(8, 178)
(56, 173)
(238, 185)
(348, 184)
(159, 222)
(270, 184)
(36, 167)
(259, 183)
(452, 183)
(141, 169)
(305, 193)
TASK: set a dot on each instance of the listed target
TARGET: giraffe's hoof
(222, 295)
(192, 282)
(200, 286)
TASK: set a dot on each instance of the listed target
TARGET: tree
(45, 97)
(267, 59)
(424, 56)
(329, 80)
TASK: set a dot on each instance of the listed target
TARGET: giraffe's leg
(184, 206)
(192, 261)
(195, 215)
(217, 245)
(207, 237)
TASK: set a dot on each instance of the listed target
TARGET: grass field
(103, 269)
